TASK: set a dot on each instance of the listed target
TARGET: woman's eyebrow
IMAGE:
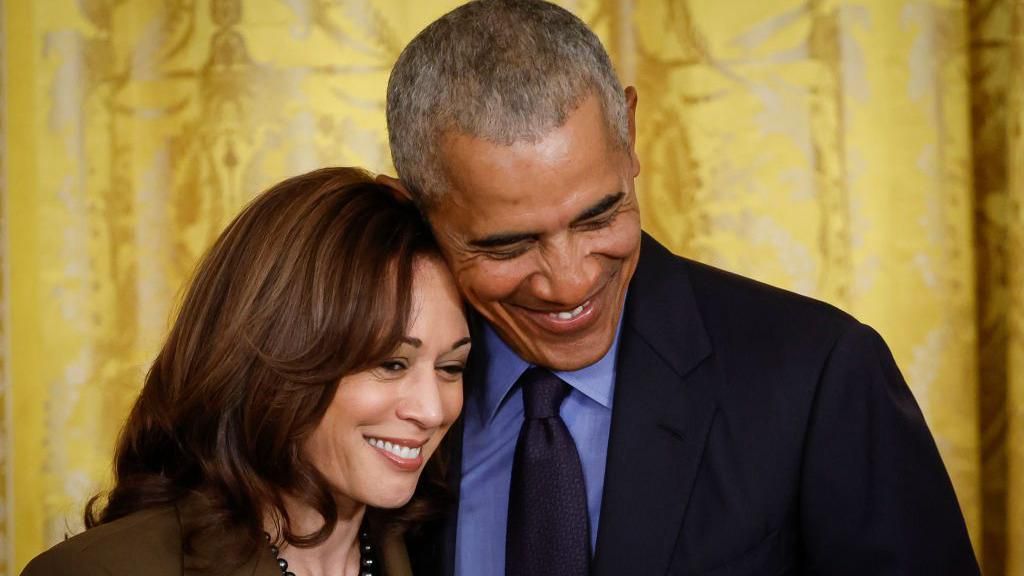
(461, 343)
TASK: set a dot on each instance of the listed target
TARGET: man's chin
(563, 364)
(568, 357)
(563, 352)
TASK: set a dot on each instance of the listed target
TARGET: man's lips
(567, 315)
(580, 317)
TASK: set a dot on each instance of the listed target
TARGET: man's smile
(567, 321)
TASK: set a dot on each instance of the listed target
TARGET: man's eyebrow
(605, 205)
(507, 239)
(499, 240)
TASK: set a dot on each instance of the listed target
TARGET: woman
(313, 369)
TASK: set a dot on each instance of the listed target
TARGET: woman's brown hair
(311, 282)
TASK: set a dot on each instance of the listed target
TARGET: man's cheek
(477, 286)
(494, 281)
(624, 240)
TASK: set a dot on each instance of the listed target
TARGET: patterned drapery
(866, 152)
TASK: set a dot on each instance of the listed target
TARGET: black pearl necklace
(367, 556)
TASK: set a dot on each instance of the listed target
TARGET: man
(630, 411)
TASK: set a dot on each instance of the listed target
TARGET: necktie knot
(543, 393)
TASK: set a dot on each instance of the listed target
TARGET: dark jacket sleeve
(875, 497)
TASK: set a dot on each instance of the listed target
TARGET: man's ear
(631, 99)
(396, 186)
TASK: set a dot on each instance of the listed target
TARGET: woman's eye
(393, 365)
(452, 369)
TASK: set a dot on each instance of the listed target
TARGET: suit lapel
(454, 479)
(435, 552)
(663, 407)
(431, 547)
(476, 374)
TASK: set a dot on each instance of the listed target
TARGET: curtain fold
(5, 519)
(866, 152)
(997, 82)
(1015, 308)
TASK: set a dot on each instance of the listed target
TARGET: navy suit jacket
(754, 432)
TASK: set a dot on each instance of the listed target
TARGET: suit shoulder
(739, 301)
(146, 541)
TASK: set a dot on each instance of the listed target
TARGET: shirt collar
(504, 367)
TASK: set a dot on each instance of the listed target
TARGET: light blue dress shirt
(492, 419)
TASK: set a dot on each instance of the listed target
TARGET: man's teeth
(570, 314)
(400, 451)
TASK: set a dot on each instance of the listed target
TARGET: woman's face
(383, 424)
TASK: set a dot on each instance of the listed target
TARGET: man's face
(544, 237)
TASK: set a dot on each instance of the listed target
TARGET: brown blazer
(144, 543)
(149, 543)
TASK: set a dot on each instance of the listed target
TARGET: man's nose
(569, 273)
(421, 400)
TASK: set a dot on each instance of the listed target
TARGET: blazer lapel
(663, 407)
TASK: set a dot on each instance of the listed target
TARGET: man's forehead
(550, 181)
(498, 185)
(556, 142)
(584, 131)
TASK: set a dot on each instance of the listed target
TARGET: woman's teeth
(571, 313)
(400, 451)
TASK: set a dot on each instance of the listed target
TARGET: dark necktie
(548, 528)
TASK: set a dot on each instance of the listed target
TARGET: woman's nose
(421, 402)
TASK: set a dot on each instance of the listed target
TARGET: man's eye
(506, 254)
(602, 222)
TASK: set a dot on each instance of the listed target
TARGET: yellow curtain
(866, 152)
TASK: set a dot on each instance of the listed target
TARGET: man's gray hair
(502, 70)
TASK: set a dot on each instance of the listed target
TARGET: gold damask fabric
(4, 389)
(866, 152)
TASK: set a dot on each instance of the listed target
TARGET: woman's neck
(338, 555)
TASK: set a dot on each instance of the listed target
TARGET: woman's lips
(406, 455)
